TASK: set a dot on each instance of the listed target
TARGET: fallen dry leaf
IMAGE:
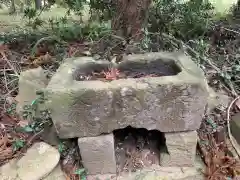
(6, 152)
(22, 123)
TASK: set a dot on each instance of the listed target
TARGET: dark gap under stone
(136, 148)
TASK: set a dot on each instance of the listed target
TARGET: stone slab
(89, 108)
(98, 155)
(38, 162)
(30, 81)
(155, 173)
(9, 171)
(56, 174)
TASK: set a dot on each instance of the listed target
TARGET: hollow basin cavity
(127, 69)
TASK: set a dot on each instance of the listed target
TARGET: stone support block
(30, 81)
(98, 154)
(181, 147)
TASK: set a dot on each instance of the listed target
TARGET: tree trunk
(13, 7)
(130, 18)
(38, 4)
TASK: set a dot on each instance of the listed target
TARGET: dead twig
(231, 30)
(187, 49)
(9, 64)
(5, 78)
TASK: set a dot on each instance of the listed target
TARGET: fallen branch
(231, 30)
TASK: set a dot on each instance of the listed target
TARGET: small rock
(38, 162)
(56, 174)
(96, 57)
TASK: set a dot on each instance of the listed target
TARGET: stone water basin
(171, 101)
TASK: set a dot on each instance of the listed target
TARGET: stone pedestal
(174, 100)
(98, 154)
(181, 147)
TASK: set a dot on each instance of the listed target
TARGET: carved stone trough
(173, 103)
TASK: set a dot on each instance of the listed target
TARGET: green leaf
(79, 171)
(61, 147)
(212, 123)
(34, 102)
(226, 75)
(18, 144)
(9, 110)
(27, 129)
(236, 68)
(83, 177)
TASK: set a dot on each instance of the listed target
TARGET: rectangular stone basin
(172, 100)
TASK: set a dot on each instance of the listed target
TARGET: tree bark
(130, 18)
(38, 4)
(13, 7)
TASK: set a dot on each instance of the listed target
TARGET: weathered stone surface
(181, 147)
(102, 177)
(50, 135)
(217, 100)
(38, 162)
(235, 127)
(9, 171)
(56, 174)
(89, 108)
(98, 154)
(29, 82)
(155, 173)
(164, 173)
